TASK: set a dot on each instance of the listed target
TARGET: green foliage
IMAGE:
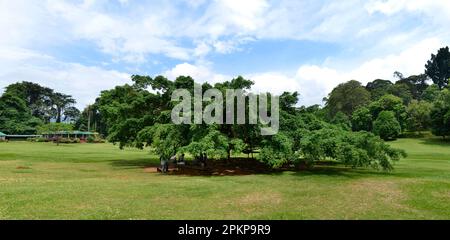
(91, 120)
(90, 139)
(15, 117)
(416, 85)
(276, 150)
(419, 115)
(402, 91)
(44, 103)
(165, 139)
(386, 125)
(54, 127)
(346, 98)
(38, 139)
(342, 120)
(355, 149)
(390, 103)
(68, 140)
(431, 93)
(378, 88)
(362, 120)
(440, 114)
(136, 117)
(438, 67)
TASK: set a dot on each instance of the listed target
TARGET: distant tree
(440, 115)
(288, 101)
(362, 120)
(61, 103)
(398, 75)
(71, 114)
(416, 85)
(431, 93)
(390, 103)
(342, 120)
(378, 88)
(419, 115)
(402, 91)
(346, 98)
(386, 126)
(91, 120)
(15, 116)
(438, 67)
(43, 102)
(36, 97)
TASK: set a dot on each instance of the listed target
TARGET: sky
(81, 47)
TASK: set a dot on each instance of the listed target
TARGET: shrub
(90, 139)
(276, 151)
(362, 120)
(65, 140)
(386, 126)
(355, 149)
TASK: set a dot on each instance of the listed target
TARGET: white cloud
(390, 7)
(199, 73)
(314, 82)
(84, 83)
(375, 38)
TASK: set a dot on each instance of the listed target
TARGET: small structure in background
(2, 136)
(83, 136)
(20, 137)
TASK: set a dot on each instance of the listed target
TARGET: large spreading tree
(136, 116)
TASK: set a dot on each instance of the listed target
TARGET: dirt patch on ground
(22, 167)
(151, 169)
(233, 167)
(385, 192)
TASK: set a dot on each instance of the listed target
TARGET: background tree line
(348, 129)
(24, 106)
(390, 109)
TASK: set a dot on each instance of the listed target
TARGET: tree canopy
(438, 67)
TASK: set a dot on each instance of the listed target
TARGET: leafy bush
(355, 149)
(41, 140)
(38, 139)
(362, 120)
(276, 150)
(64, 140)
(386, 126)
(90, 139)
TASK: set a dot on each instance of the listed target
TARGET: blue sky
(85, 46)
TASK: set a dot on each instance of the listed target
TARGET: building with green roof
(69, 134)
(2, 136)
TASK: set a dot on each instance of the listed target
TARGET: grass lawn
(99, 181)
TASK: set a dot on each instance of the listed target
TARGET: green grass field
(99, 181)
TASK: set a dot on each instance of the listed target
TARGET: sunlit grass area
(100, 181)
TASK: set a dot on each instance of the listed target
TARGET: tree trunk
(58, 115)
